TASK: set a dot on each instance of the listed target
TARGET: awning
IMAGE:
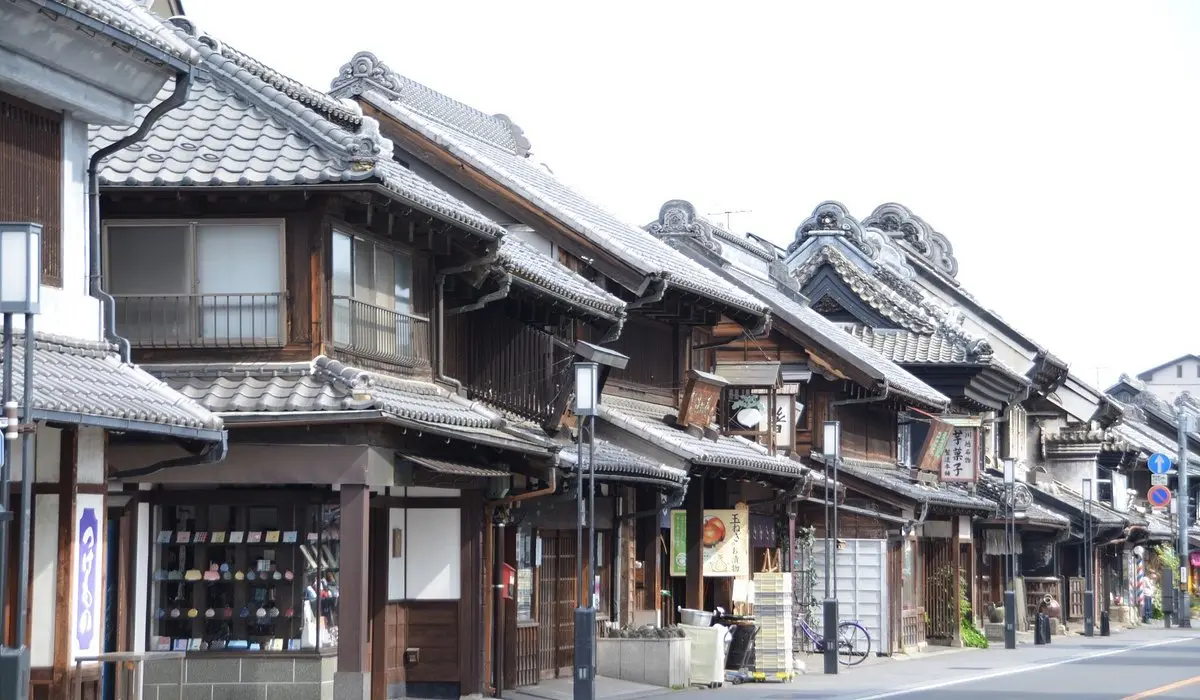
(441, 466)
(616, 463)
(85, 383)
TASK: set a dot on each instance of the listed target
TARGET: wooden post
(956, 560)
(648, 530)
(353, 678)
(68, 476)
(471, 622)
(694, 595)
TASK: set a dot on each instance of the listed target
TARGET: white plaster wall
(1168, 386)
(1072, 473)
(429, 567)
(91, 456)
(45, 564)
(1006, 349)
(141, 563)
(71, 311)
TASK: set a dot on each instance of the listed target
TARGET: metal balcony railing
(201, 320)
(378, 333)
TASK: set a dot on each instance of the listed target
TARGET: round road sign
(1159, 496)
(1159, 463)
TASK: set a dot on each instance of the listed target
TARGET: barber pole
(1141, 583)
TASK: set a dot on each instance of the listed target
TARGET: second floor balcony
(228, 320)
(373, 332)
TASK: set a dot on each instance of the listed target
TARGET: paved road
(1136, 665)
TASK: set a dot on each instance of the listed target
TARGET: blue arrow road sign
(1159, 463)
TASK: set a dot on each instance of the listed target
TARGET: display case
(251, 578)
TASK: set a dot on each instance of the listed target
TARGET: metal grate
(31, 176)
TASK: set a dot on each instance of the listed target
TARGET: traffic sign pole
(1184, 614)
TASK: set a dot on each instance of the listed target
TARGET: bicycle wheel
(854, 643)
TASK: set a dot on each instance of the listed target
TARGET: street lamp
(1089, 603)
(20, 293)
(832, 446)
(1010, 536)
(586, 402)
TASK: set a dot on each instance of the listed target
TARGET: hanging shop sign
(726, 544)
(960, 459)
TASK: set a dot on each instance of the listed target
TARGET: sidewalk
(606, 689)
(874, 672)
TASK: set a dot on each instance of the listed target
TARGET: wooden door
(565, 604)
(556, 604)
(547, 597)
(895, 558)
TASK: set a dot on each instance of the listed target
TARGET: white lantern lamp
(1010, 471)
(586, 381)
(1087, 490)
(832, 447)
(20, 268)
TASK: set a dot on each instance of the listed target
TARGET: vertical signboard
(960, 460)
(87, 602)
(726, 542)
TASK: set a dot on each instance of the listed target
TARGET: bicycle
(852, 649)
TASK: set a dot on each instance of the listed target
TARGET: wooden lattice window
(31, 176)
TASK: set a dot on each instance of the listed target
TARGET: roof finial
(362, 71)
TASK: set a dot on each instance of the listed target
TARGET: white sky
(1054, 143)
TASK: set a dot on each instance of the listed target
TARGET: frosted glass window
(343, 285)
(149, 275)
(238, 280)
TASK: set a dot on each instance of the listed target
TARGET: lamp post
(20, 293)
(1089, 603)
(586, 401)
(1010, 560)
(832, 445)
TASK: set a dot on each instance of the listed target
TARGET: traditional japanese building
(389, 360)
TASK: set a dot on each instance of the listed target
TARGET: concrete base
(241, 677)
(351, 686)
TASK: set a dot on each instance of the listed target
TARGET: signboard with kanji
(960, 460)
(930, 458)
(700, 396)
(726, 542)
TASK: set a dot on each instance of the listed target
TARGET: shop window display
(245, 578)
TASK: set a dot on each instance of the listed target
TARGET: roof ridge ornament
(677, 220)
(521, 142)
(365, 70)
(898, 222)
(368, 145)
(831, 218)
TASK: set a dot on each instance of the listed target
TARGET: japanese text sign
(726, 542)
(960, 460)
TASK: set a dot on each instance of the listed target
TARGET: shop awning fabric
(80, 382)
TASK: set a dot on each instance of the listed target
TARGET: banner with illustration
(726, 542)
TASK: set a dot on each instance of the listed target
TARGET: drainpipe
(501, 293)
(654, 294)
(884, 392)
(212, 453)
(440, 293)
(677, 497)
(183, 81)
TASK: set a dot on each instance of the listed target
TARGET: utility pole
(1184, 422)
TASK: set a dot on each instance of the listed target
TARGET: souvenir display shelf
(254, 579)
